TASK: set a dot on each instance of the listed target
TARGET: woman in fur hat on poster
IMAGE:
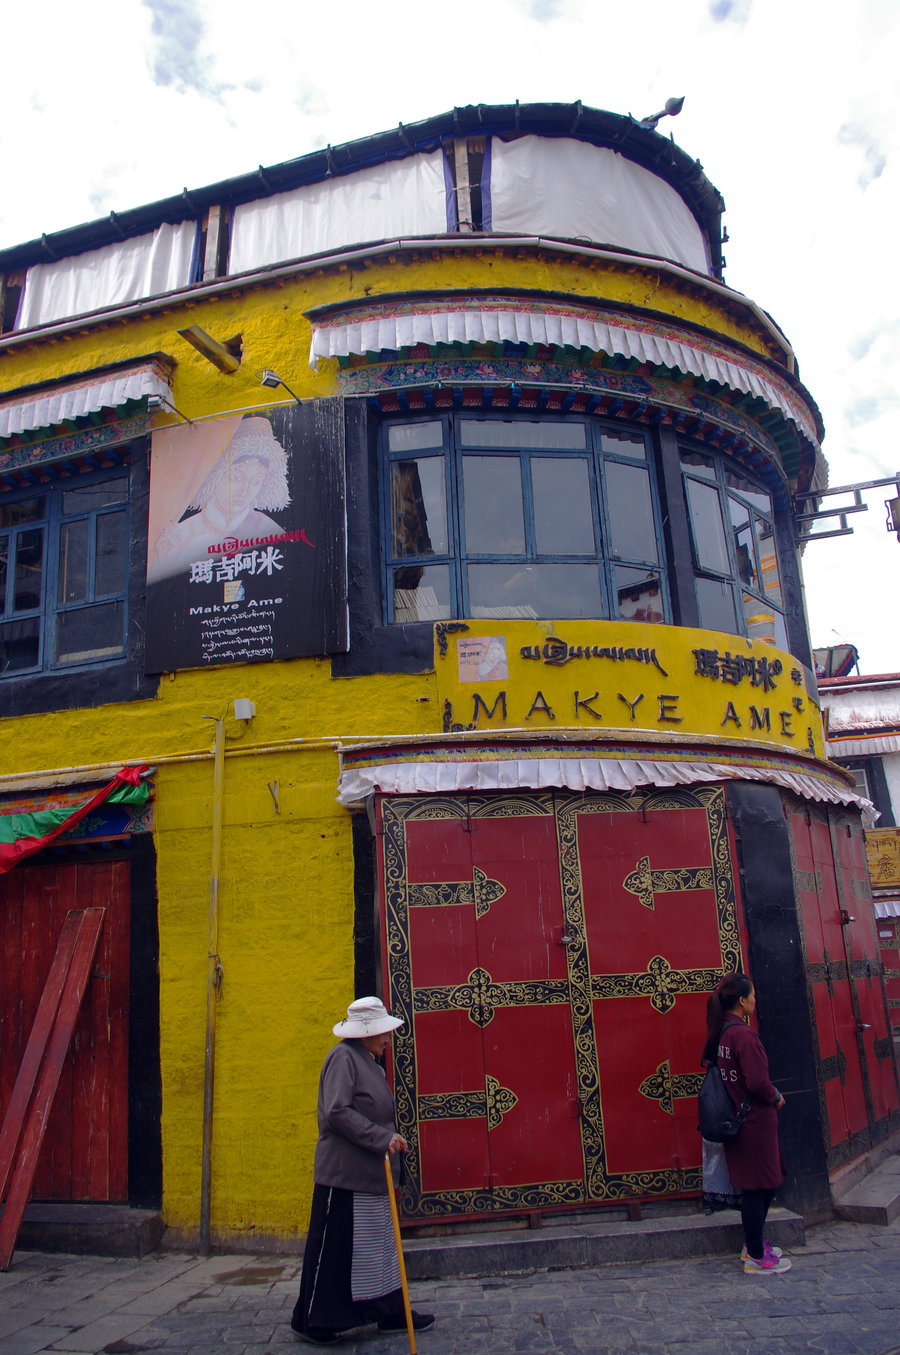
(351, 1274)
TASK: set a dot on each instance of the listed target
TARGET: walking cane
(403, 1283)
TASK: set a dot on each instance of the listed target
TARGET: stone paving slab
(841, 1298)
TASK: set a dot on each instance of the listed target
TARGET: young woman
(753, 1157)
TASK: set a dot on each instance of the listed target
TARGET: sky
(791, 106)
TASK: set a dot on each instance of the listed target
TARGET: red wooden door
(855, 1049)
(85, 1151)
(658, 941)
(551, 956)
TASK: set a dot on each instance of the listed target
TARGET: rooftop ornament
(672, 109)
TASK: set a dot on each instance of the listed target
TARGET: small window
(519, 517)
(736, 573)
(63, 574)
(861, 780)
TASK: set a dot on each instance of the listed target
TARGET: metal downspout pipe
(213, 985)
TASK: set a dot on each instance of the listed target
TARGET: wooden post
(44, 1056)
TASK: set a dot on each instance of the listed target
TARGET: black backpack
(718, 1121)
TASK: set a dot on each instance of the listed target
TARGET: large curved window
(518, 517)
(736, 573)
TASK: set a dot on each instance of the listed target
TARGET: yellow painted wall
(275, 333)
(286, 893)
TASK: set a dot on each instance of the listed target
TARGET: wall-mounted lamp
(270, 378)
(244, 709)
(155, 403)
(226, 356)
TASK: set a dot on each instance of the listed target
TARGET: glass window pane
(632, 533)
(762, 622)
(23, 510)
(768, 562)
(20, 644)
(73, 553)
(418, 507)
(699, 464)
(743, 543)
(563, 523)
(86, 497)
(517, 433)
(110, 565)
(748, 490)
(414, 437)
(624, 444)
(89, 633)
(639, 595)
(28, 570)
(549, 591)
(708, 530)
(715, 602)
(4, 570)
(494, 514)
(422, 594)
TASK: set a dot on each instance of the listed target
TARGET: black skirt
(325, 1302)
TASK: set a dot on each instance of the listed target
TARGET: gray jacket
(356, 1121)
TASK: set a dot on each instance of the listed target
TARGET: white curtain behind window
(401, 198)
(573, 190)
(126, 271)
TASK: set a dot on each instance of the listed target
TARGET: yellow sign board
(624, 676)
(883, 856)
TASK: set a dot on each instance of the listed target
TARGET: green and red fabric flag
(21, 835)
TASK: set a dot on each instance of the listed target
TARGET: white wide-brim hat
(366, 1016)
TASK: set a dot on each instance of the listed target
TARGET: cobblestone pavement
(843, 1295)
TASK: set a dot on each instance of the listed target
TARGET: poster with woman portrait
(246, 550)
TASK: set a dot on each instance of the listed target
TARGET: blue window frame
(736, 572)
(64, 573)
(516, 516)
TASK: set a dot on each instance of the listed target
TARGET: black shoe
(318, 1336)
(420, 1321)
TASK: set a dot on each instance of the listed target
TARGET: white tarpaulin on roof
(403, 197)
(47, 408)
(111, 276)
(579, 774)
(576, 191)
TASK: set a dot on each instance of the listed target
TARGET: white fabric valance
(887, 907)
(868, 746)
(578, 774)
(129, 270)
(58, 404)
(575, 191)
(403, 197)
(392, 328)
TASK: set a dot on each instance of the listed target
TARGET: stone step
(90, 1229)
(593, 1242)
(874, 1199)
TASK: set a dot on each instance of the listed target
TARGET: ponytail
(721, 1002)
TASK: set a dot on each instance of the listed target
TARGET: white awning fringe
(47, 409)
(340, 338)
(578, 774)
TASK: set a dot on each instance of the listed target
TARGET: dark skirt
(325, 1302)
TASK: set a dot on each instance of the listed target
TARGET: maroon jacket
(753, 1157)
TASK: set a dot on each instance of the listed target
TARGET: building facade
(862, 716)
(418, 515)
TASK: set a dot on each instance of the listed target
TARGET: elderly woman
(351, 1275)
